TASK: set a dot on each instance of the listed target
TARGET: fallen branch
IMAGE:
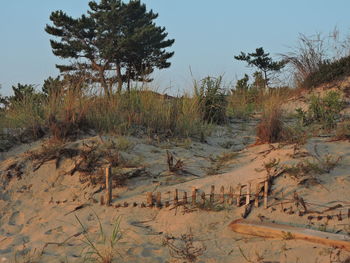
(271, 230)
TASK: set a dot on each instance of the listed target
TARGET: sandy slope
(35, 211)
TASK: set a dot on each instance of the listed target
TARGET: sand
(38, 222)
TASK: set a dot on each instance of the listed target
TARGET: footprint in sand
(13, 218)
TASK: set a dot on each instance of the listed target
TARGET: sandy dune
(38, 221)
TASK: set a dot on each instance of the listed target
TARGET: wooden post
(159, 200)
(108, 186)
(230, 199)
(247, 198)
(222, 194)
(102, 200)
(194, 195)
(239, 195)
(340, 217)
(184, 199)
(203, 198)
(149, 199)
(212, 194)
(257, 193)
(176, 197)
(266, 191)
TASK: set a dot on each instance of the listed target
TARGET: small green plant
(105, 249)
(317, 165)
(324, 111)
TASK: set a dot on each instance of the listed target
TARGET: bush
(328, 71)
(212, 100)
(324, 111)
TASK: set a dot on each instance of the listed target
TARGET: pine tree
(262, 61)
(113, 43)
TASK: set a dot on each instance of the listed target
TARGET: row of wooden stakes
(229, 197)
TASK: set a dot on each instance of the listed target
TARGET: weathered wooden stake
(184, 199)
(108, 186)
(159, 199)
(203, 198)
(257, 194)
(349, 213)
(102, 200)
(340, 217)
(212, 194)
(238, 201)
(149, 200)
(194, 195)
(247, 198)
(222, 194)
(176, 197)
(230, 194)
(266, 191)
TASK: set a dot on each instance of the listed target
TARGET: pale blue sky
(208, 34)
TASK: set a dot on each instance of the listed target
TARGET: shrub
(212, 100)
(324, 111)
(328, 71)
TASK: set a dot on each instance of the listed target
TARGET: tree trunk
(119, 78)
(104, 84)
(128, 86)
(266, 81)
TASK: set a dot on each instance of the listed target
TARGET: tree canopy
(262, 61)
(114, 43)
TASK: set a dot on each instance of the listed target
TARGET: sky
(207, 35)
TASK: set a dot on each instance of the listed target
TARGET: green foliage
(243, 84)
(259, 82)
(328, 71)
(212, 100)
(317, 165)
(24, 110)
(53, 86)
(104, 249)
(114, 43)
(262, 61)
(324, 111)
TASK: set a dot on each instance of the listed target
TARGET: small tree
(243, 84)
(52, 86)
(262, 61)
